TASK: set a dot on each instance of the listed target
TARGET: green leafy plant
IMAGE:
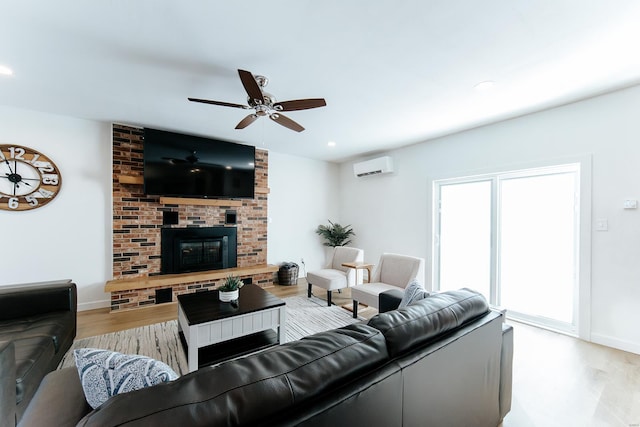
(335, 234)
(231, 283)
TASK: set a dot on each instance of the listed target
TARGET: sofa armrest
(49, 403)
(7, 384)
(506, 370)
(389, 300)
(37, 298)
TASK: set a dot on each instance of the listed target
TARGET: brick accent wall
(137, 220)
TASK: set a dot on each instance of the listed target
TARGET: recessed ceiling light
(5, 71)
(485, 85)
(228, 167)
(331, 144)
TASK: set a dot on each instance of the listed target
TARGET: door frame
(583, 325)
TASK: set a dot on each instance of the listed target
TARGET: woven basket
(288, 274)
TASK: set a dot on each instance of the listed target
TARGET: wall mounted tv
(191, 166)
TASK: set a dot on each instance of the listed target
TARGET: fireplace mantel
(175, 279)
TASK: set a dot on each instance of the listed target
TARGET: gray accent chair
(393, 271)
(334, 276)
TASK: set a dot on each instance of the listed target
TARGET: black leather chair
(7, 384)
(39, 320)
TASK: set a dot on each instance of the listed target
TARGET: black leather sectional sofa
(37, 327)
(443, 361)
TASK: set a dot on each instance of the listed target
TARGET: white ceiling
(393, 72)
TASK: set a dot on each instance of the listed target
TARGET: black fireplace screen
(202, 253)
(198, 249)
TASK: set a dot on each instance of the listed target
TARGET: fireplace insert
(198, 249)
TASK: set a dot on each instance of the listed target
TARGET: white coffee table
(215, 331)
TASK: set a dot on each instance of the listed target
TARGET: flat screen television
(191, 166)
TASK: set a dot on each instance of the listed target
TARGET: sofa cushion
(328, 278)
(33, 356)
(58, 325)
(104, 374)
(428, 318)
(246, 390)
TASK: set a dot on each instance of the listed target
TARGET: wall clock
(28, 178)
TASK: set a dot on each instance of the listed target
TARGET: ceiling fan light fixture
(261, 80)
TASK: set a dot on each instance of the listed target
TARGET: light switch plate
(602, 224)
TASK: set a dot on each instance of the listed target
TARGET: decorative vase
(229, 296)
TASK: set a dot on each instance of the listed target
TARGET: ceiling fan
(265, 104)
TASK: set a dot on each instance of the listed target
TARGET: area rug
(305, 316)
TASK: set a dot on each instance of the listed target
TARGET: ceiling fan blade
(300, 104)
(286, 122)
(251, 86)
(224, 104)
(247, 121)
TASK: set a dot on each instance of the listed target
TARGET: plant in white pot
(230, 290)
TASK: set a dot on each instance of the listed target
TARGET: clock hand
(8, 164)
(23, 182)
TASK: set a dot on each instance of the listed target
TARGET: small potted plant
(229, 291)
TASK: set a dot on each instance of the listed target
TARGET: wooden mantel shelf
(199, 202)
(176, 279)
(131, 179)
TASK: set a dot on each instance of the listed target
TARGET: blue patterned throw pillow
(106, 373)
(413, 292)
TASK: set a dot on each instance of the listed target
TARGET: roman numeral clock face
(28, 179)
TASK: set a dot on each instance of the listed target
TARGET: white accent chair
(392, 272)
(334, 275)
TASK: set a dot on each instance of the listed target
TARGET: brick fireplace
(138, 223)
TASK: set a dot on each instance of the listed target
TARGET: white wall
(393, 213)
(304, 194)
(69, 238)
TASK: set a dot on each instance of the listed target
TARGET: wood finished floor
(557, 380)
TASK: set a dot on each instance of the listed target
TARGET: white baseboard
(631, 347)
(93, 305)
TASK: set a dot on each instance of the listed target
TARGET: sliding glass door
(465, 236)
(513, 237)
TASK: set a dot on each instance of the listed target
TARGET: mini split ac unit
(373, 167)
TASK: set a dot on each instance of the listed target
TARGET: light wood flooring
(557, 380)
